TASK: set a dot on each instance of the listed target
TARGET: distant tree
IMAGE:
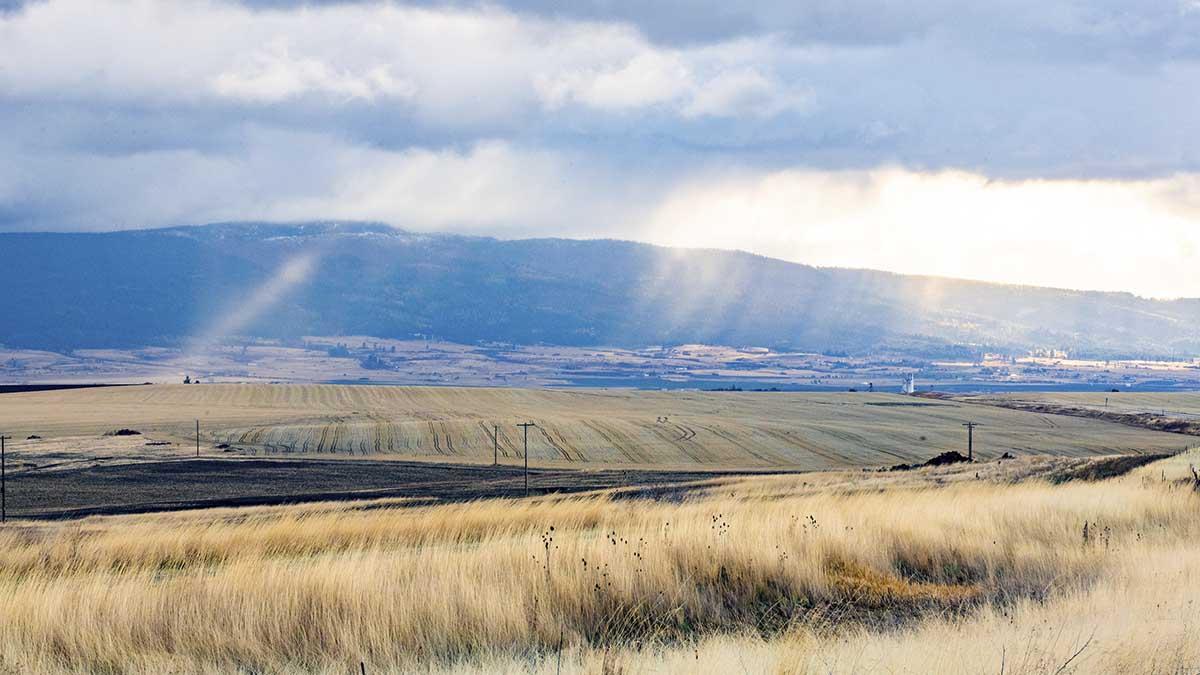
(373, 362)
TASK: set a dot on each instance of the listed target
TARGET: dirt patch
(944, 459)
(176, 484)
(909, 404)
(952, 457)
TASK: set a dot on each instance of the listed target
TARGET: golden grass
(792, 579)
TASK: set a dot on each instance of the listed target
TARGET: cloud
(1030, 89)
(272, 75)
(597, 117)
(744, 93)
(646, 79)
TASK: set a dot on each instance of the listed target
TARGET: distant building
(910, 385)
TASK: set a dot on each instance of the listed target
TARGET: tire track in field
(808, 446)
(378, 429)
(437, 439)
(340, 439)
(620, 441)
(569, 444)
(393, 433)
(333, 435)
(667, 437)
(744, 446)
(559, 448)
(438, 446)
(686, 433)
(324, 439)
(496, 438)
(862, 442)
(798, 442)
(252, 436)
(508, 447)
(493, 438)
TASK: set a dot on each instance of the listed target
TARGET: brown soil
(201, 483)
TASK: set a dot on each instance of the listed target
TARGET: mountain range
(171, 286)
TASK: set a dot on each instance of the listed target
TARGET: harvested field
(1176, 412)
(575, 427)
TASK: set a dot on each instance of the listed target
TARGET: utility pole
(3, 480)
(525, 426)
(971, 439)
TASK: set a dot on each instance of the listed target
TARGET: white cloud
(445, 62)
(647, 78)
(944, 96)
(273, 74)
(744, 93)
(448, 66)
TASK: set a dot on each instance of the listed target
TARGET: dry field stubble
(931, 572)
(575, 427)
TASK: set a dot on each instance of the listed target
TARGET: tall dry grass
(597, 582)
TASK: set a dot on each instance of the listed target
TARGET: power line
(525, 426)
(971, 439)
(3, 479)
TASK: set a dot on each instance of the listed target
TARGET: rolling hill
(574, 428)
(170, 286)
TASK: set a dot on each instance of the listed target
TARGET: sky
(1040, 142)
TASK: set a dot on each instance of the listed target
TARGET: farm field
(185, 483)
(1181, 405)
(575, 428)
(1015, 566)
